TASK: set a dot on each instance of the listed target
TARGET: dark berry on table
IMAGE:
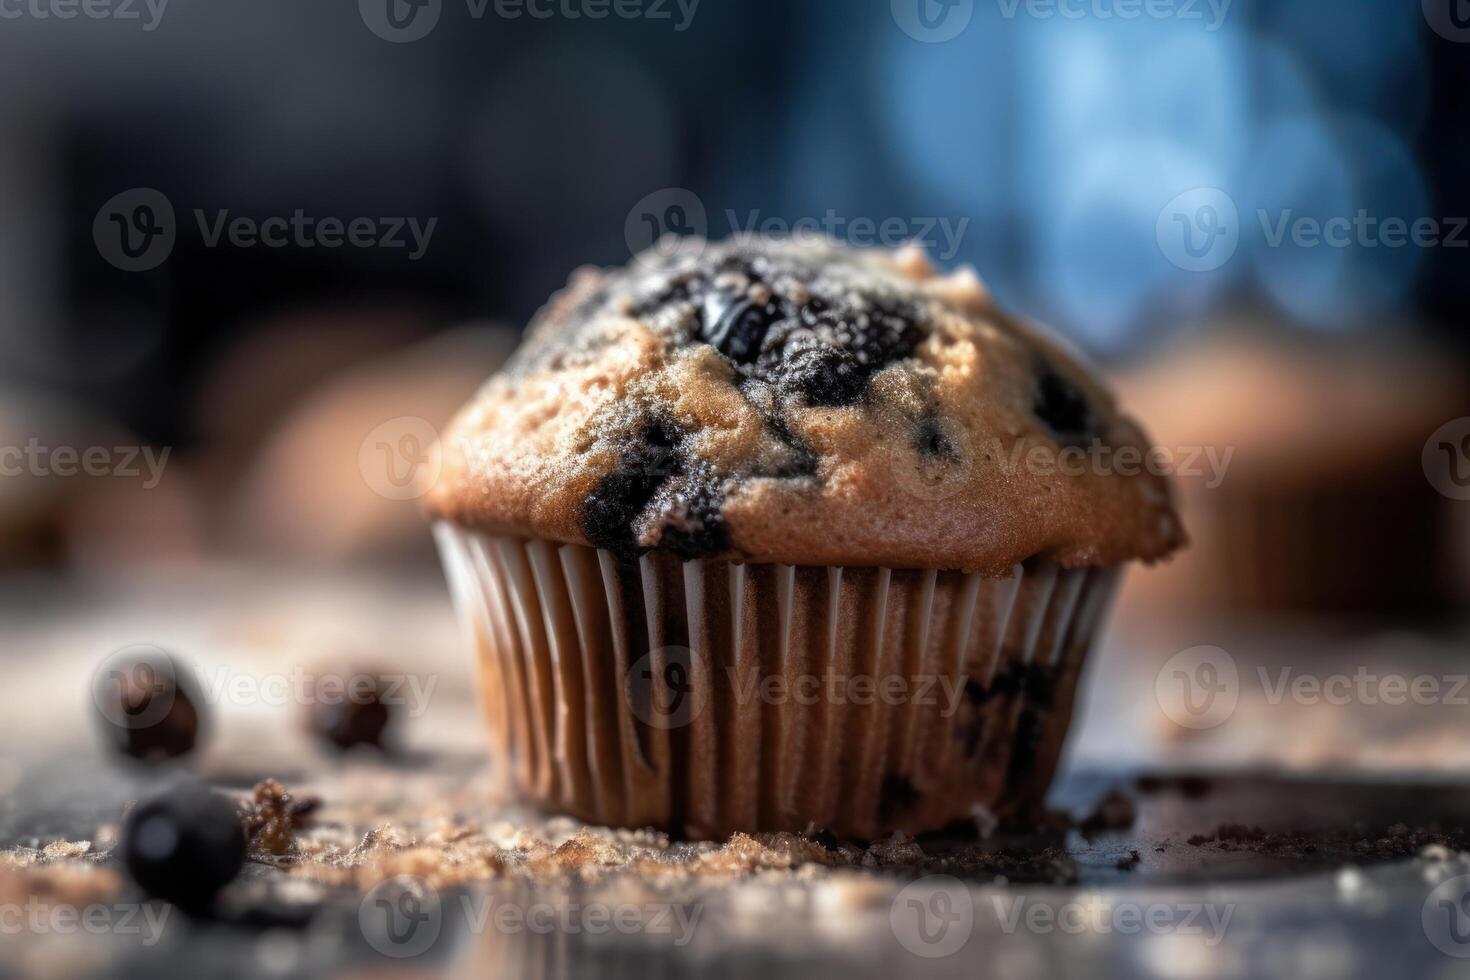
(1063, 408)
(184, 845)
(148, 708)
(347, 708)
(737, 326)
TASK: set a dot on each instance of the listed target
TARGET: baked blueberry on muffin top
(807, 403)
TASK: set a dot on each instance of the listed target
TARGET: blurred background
(253, 254)
(252, 235)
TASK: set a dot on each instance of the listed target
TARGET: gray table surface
(1323, 870)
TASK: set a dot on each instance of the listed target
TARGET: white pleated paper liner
(708, 697)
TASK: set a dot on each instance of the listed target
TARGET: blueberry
(184, 845)
(611, 512)
(1063, 408)
(688, 510)
(931, 441)
(147, 708)
(736, 327)
(346, 708)
(654, 481)
(826, 376)
(801, 462)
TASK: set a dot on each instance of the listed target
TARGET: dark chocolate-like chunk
(737, 326)
(687, 509)
(611, 512)
(823, 375)
(1063, 408)
(654, 482)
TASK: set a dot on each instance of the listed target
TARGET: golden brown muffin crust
(807, 403)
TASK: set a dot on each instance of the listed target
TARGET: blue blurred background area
(1284, 181)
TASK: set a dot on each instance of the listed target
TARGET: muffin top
(802, 402)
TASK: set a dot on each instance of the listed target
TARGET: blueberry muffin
(774, 534)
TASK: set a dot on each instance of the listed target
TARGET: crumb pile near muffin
(801, 402)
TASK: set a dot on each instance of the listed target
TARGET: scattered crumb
(271, 816)
(62, 877)
(59, 850)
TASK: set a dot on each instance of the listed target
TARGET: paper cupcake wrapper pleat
(708, 697)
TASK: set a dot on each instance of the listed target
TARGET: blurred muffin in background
(1300, 473)
(316, 490)
(76, 486)
(281, 362)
